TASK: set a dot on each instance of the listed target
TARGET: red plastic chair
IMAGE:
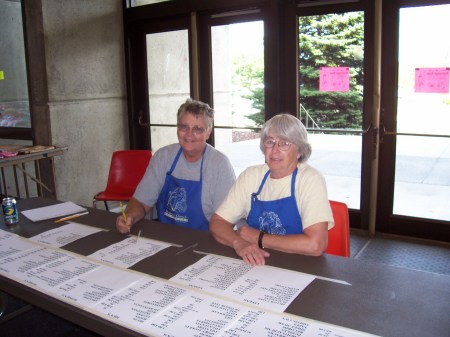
(125, 172)
(339, 235)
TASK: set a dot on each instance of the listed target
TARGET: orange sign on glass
(334, 79)
(431, 80)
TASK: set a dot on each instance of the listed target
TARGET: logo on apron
(271, 223)
(177, 200)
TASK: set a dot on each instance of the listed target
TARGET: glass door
(335, 98)
(414, 188)
(238, 87)
(159, 72)
(331, 81)
(168, 69)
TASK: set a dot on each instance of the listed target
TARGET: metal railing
(308, 118)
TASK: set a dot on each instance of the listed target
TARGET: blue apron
(278, 217)
(180, 200)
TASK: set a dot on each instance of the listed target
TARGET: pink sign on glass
(431, 80)
(334, 79)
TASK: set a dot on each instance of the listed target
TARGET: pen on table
(139, 235)
(70, 217)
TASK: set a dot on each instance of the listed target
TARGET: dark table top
(380, 299)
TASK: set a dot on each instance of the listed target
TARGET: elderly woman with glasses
(185, 181)
(284, 201)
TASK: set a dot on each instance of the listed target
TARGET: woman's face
(282, 162)
(192, 135)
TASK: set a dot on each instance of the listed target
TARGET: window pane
(422, 182)
(168, 80)
(163, 136)
(14, 105)
(338, 158)
(244, 147)
(331, 62)
(238, 87)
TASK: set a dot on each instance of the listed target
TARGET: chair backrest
(339, 235)
(126, 170)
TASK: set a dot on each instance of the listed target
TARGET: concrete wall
(86, 80)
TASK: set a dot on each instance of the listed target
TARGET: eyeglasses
(196, 130)
(282, 144)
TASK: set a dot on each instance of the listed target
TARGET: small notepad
(54, 211)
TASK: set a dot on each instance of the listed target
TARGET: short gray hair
(198, 109)
(291, 129)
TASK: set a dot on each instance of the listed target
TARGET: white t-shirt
(310, 193)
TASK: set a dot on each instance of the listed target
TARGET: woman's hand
(250, 252)
(124, 226)
(223, 232)
(134, 212)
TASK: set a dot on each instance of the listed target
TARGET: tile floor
(424, 255)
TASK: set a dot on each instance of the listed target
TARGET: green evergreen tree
(332, 40)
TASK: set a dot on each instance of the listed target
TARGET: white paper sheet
(91, 288)
(261, 323)
(264, 286)
(140, 301)
(195, 315)
(4, 235)
(129, 251)
(64, 235)
(19, 264)
(54, 211)
(62, 270)
(13, 244)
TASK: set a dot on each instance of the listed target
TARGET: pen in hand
(123, 211)
(123, 214)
